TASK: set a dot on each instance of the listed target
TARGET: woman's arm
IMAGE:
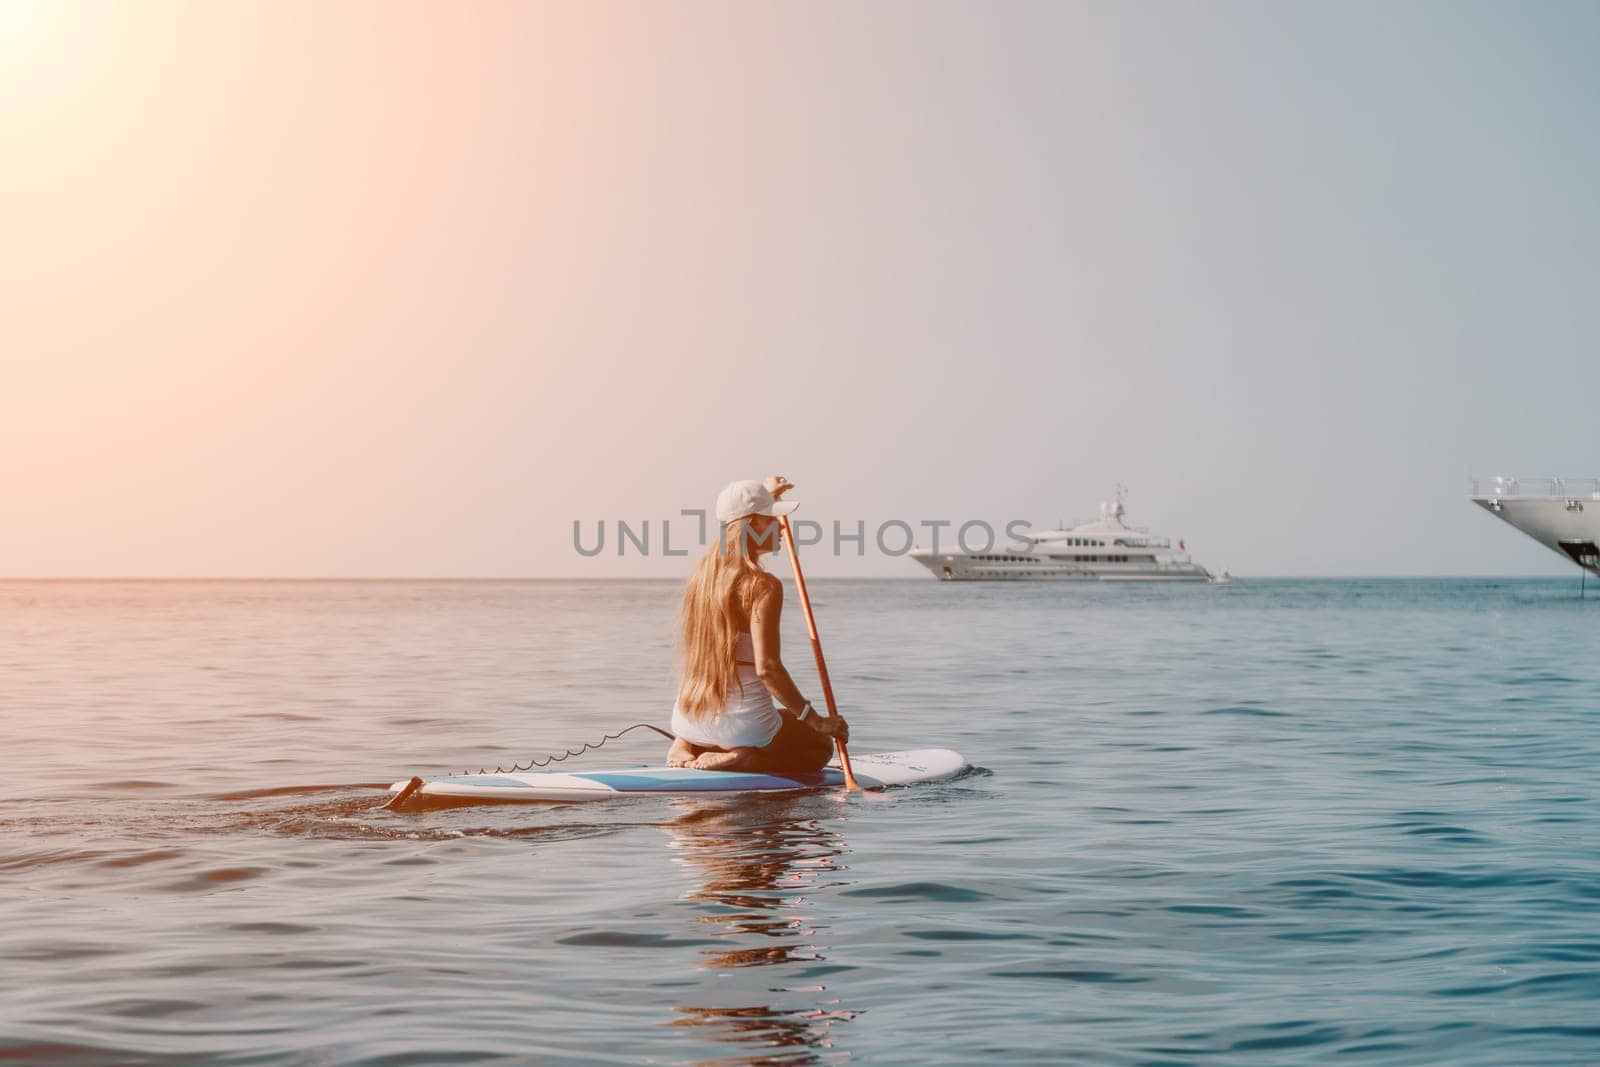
(766, 610)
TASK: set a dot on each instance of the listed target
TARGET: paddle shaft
(816, 648)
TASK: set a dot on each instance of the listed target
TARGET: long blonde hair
(710, 618)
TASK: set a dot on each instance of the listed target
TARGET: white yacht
(1562, 514)
(1106, 550)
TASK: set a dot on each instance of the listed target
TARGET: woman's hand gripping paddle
(816, 649)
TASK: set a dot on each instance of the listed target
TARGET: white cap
(749, 498)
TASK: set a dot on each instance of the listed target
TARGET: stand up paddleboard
(872, 772)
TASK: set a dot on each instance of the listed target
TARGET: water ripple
(1270, 823)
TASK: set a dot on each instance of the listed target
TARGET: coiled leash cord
(416, 783)
(569, 753)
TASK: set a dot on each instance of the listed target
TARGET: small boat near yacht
(1562, 514)
(1105, 550)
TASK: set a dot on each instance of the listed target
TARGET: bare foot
(736, 759)
(681, 754)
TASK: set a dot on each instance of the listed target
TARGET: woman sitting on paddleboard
(725, 718)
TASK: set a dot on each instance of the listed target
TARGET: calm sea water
(1269, 823)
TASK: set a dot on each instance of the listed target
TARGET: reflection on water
(757, 864)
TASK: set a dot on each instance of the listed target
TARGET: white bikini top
(744, 651)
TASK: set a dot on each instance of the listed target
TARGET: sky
(405, 289)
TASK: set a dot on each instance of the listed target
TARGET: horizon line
(661, 578)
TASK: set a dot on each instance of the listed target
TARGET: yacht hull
(1567, 526)
(954, 567)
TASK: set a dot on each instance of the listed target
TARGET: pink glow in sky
(404, 289)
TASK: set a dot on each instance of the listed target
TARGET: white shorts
(750, 719)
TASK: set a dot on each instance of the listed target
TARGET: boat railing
(1538, 486)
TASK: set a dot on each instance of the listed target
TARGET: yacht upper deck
(1110, 530)
(1541, 487)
